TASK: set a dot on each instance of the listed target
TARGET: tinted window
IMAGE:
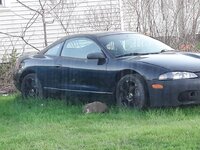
(55, 50)
(79, 48)
(132, 43)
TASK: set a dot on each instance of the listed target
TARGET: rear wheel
(131, 91)
(31, 87)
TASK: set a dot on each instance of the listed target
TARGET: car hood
(175, 61)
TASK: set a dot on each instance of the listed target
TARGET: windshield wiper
(133, 54)
(167, 50)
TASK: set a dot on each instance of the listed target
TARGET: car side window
(55, 50)
(79, 48)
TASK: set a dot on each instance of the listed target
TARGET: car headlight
(177, 75)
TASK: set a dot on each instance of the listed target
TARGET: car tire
(31, 87)
(131, 92)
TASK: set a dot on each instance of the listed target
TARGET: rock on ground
(95, 107)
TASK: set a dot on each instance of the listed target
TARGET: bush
(7, 67)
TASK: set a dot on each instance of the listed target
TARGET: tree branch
(17, 36)
(28, 7)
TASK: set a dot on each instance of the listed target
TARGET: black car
(137, 70)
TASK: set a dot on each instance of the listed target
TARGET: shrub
(7, 67)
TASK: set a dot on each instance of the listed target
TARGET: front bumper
(175, 92)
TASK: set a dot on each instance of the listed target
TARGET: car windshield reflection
(132, 44)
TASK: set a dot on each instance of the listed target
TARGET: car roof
(99, 34)
(94, 35)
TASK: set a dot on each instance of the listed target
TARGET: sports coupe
(137, 70)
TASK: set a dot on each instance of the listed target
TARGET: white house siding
(14, 18)
(83, 16)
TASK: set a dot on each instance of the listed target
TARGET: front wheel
(31, 87)
(131, 91)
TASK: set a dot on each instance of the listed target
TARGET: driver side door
(78, 73)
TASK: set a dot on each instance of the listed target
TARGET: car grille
(189, 96)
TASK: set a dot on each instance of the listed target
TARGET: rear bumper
(175, 93)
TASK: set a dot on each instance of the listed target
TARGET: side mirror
(96, 56)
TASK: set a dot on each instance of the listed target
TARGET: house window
(2, 2)
(4, 5)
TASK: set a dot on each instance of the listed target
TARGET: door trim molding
(82, 91)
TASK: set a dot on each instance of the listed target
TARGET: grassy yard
(40, 124)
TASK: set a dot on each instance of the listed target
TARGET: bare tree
(56, 10)
(42, 11)
(63, 13)
(173, 21)
(103, 18)
(22, 34)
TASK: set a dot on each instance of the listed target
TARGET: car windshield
(121, 45)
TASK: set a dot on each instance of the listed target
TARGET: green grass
(51, 124)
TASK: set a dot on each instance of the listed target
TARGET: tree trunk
(181, 15)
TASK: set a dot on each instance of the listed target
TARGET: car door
(48, 73)
(78, 73)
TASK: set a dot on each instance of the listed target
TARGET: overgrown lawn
(56, 125)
